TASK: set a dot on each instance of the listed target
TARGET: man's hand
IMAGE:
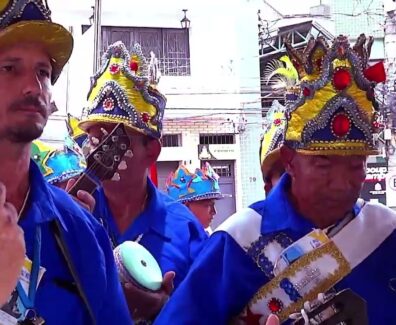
(12, 247)
(144, 304)
(83, 198)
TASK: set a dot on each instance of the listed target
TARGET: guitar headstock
(104, 160)
(346, 307)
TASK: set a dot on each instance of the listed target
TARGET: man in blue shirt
(69, 275)
(130, 206)
(311, 234)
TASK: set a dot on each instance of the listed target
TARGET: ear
(153, 150)
(287, 156)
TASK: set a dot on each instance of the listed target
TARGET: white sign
(217, 152)
(391, 190)
(392, 182)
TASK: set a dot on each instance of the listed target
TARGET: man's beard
(31, 131)
(24, 134)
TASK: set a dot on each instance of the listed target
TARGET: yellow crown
(124, 91)
(273, 136)
(335, 112)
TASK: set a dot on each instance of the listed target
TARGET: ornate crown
(78, 135)
(273, 136)
(30, 21)
(124, 91)
(335, 111)
(58, 165)
(184, 186)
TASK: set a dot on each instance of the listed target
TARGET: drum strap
(57, 231)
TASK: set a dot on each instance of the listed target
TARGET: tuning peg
(104, 131)
(116, 177)
(123, 165)
(129, 153)
(95, 141)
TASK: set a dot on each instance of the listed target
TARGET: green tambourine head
(137, 265)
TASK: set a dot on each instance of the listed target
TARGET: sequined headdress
(335, 112)
(58, 165)
(184, 186)
(273, 137)
(30, 21)
(78, 135)
(124, 91)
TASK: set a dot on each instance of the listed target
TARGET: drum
(137, 266)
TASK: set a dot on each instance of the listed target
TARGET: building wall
(248, 181)
(224, 80)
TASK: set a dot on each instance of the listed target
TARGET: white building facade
(211, 79)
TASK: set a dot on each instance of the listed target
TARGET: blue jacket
(225, 277)
(166, 228)
(57, 299)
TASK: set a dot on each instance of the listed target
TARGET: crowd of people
(266, 264)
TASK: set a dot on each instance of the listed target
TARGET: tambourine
(137, 266)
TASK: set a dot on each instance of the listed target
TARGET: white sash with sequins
(316, 271)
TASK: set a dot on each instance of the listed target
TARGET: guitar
(102, 163)
(346, 307)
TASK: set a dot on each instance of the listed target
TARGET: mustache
(36, 102)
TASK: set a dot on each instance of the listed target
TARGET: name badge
(309, 242)
(13, 312)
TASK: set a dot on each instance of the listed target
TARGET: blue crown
(58, 165)
(184, 186)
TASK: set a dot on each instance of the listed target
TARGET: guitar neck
(85, 183)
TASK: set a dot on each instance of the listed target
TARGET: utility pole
(97, 34)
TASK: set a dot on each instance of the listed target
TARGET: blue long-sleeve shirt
(57, 299)
(166, 228)
(226, 276)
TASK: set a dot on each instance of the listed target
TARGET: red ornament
(134, 66)
(145, 117)
(341, 125)
(306, 91)
(275, 305)
(277, 122)
(114, 68)
(108, 104)
(376, 73)
(341, 79)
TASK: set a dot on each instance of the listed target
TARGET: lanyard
(28, 300)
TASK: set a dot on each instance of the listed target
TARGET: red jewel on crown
(341, 79)
(275, 305)
(108, 104)
(341, 125)
(145, 117)
(134, 66)
(114, 68)
(277, 122)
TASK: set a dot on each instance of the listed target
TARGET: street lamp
(185, 22)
